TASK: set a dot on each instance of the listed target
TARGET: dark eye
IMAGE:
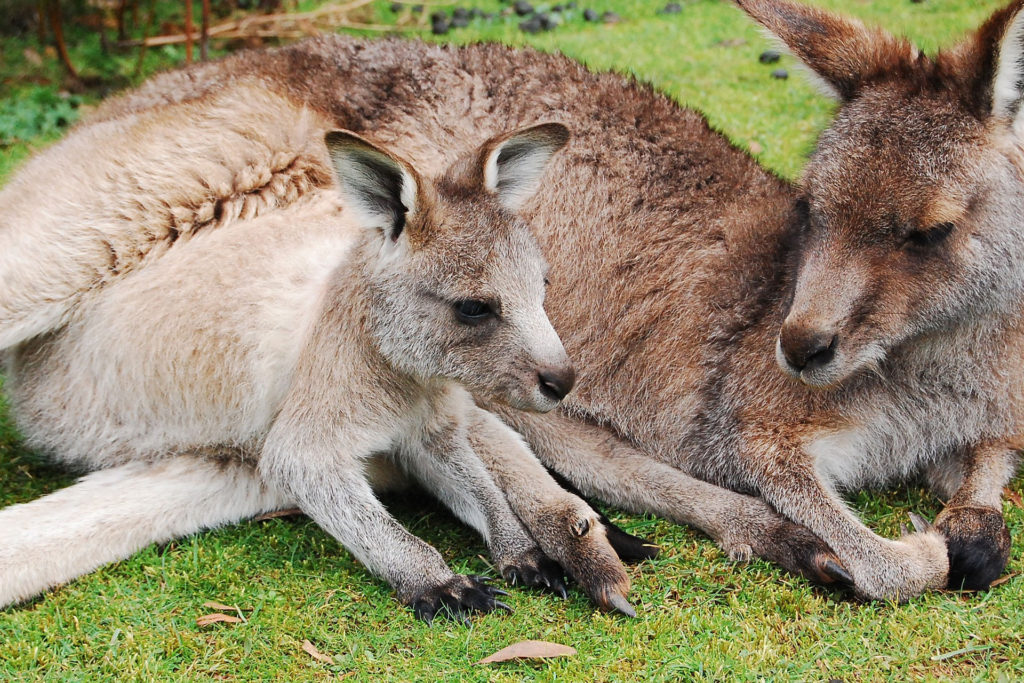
(472, 311)
(931, 237)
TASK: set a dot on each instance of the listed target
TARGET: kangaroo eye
(472, 311)
(931, 237)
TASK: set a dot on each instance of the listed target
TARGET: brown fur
(678, 265)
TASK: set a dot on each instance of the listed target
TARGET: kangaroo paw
(978, 544)
(535, 569)
(799, 551)
(456, 598)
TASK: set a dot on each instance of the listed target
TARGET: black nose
(556, 383)
(806, 349)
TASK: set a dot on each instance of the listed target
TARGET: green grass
(700, 615)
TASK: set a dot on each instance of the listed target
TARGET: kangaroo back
(115, 195)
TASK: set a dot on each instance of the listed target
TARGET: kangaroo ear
(1004, 35)
(514, 163)
(843, 53)
(379, 188)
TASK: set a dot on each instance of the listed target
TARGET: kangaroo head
(455, 278)
(914, 195)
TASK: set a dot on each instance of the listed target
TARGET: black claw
(628, 547)
(538, 571)
(456, 598)
(837, 572)
(500, 605)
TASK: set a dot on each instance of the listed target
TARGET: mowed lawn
(700, 616)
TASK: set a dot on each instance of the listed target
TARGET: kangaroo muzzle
(556, 383)
(807, 347)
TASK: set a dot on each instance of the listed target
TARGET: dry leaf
(216, 605)
(310, 649)
(208, 619)
(1013, 497)
(277, 513)
(529, 649)
(1003, 579)
(33, 57)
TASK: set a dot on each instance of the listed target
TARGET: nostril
(809, 351)
(556, 384)
(822, 355)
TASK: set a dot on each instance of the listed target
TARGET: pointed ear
(380, 189)
(514, 163)
(1001, 41)
(842, 53)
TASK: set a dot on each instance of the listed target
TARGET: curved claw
(921, 525)
(620, 604)
(837, 572)
(498, 604)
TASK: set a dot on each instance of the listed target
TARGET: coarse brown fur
(777, 341)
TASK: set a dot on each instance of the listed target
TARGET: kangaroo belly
(196, 350)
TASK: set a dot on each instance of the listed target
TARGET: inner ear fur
(379, 188)
(989, 65)
(511, 166)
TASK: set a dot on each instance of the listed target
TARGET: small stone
(755, 147)
(460, 13)
(781, 74)
(439, 28)
(522, 8)
(610, 17)
(417, 9)
(671, 8)
(460, 22)
(769, 56)
(557, 8)
(396, 7)
(590, 15)
(548, 22)
(531, 25)
(438, 16)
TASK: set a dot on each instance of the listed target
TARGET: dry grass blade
(289, 512)
(1003, 579)
(310, 649)
(529, 649)
(216, 617)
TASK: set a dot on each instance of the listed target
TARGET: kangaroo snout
(806, 347)
(556, 382)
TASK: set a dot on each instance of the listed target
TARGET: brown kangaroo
(746, 348)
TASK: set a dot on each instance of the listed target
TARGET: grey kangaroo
(745, 348)
(303, 356)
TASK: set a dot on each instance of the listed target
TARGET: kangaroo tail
(110, 514)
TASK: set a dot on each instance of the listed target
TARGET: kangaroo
(304, 356)
(746, 348)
